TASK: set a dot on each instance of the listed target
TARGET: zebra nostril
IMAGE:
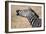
(17, 12)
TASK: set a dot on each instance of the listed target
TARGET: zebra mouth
(17, 12)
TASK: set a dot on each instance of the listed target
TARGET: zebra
(31, 15)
